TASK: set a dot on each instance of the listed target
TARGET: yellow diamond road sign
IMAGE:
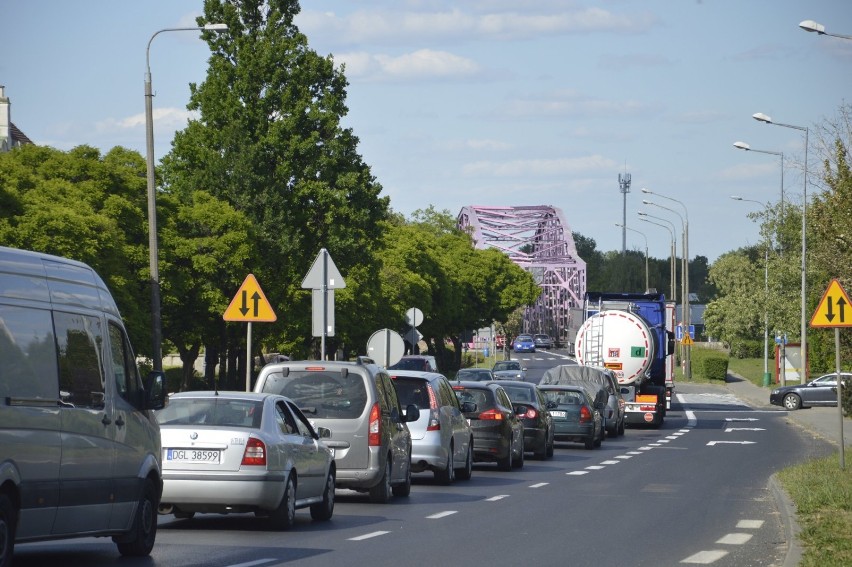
(835, 309)
(249, 304)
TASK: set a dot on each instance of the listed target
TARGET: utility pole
(624, 184)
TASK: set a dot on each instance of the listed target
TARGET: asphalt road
(694, 491)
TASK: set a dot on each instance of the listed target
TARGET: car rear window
(412, 391)
(321, 394)
(483, 399)
(519, 394)
(510, 365)
(562, 397)
(410, 364)
(211, 411)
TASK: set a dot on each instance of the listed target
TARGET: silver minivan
(79, 446)
(358, 403)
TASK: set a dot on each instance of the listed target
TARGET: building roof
(18, 137)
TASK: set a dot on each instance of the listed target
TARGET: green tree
(269, 141)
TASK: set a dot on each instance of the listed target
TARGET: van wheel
(8, 516)
(284, 516)
(381, 493)
(403, 489)
(323, 511)
(140, 540)
(448, 475)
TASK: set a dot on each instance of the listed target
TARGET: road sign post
(249, 305)
(323, 278)
(832, 312)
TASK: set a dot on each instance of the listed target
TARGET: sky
(492, 102)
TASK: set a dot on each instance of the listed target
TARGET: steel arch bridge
(539, 240)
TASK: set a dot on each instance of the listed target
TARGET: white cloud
(568, 103)
(164, 118)
(539, 167)
(482, 144)
(420, 64)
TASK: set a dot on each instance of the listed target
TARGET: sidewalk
(823, 422)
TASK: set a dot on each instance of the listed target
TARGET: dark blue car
(523, 343)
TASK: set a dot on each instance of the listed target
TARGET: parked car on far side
(232, 452)
(820, 391)
(498, 433)
(575, 417)
(441, 440)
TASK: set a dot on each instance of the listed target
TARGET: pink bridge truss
(538, 239)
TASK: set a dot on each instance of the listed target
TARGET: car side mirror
(324, 432)
(468, 407)
(155, 390)
(412, 413)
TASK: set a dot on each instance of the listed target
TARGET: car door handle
(106, 420)
(119, 421)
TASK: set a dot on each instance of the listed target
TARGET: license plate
(559, 413)
(193, 455)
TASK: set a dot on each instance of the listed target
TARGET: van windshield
(321, 394)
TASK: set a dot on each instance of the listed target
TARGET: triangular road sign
(249, 304)
(687, 340)
(834, 309)
(323, 273)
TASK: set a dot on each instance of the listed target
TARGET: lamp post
(618, 224)
(759, 116)
(156, 321)
(746, 147)
(812, 26)
(673, 274)
(766, 374)
(687, 316)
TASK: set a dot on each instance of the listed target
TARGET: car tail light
(492, 414)
(531, 413)
(585, 414)
(255, 453)
(375, 437)
(434, 423)
(458, 388)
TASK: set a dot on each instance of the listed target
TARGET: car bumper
(577, 432)
(223, 492)
(489, 445)
(428, 453)
(534, 439)
(362, 478)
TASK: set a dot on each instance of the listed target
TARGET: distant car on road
(821, 391)
(509, 370)
(231, 452)
(474, 374)
(543, 341)
(523, 343)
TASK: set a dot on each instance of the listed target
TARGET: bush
(846, 398)
(709, 364)
(174, 375)
(747, 349)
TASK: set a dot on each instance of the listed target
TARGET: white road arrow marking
(711, 443)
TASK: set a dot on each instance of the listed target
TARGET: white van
(79, 446)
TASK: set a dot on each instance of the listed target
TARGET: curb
(788, 518)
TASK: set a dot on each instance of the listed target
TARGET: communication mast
(624, 184)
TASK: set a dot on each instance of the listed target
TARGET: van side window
(28, 354)
(81, 378)
(127, 382)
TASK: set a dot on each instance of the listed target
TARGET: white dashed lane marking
(705, 557)
(368, 536)
(442, 514)
(496, 498)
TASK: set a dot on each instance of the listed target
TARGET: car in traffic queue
(498, 433)
(474, 374)
(820, 391)
(424, 362)
(523, 343)
(575, 417)
(531, 407)
(441, 440)
(358, 403)
(542, 340)
(237, 452)
(603, 386)
(509, 370)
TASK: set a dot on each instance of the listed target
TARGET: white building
(10, 135)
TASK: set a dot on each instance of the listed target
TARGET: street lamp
(687, 316)
(746, 147)
(156, 322)
(673, 274)
(766, 374)
(812, 26)
(760, 117)
(618, 224)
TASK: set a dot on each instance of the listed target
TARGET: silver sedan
(235, 452)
